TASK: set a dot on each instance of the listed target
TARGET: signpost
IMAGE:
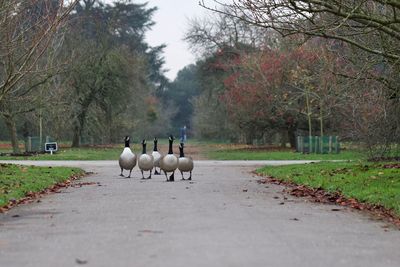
(50, 147)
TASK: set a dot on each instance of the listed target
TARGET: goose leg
(150, 174)
(142, 174)
(172, 177)
(182, 175)
(130, 173)
(190, 177)
(166, 176)
(121, 173)
(156, 172)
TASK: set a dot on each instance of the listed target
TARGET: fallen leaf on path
(151, 231)
(322, 196)
(79, 261)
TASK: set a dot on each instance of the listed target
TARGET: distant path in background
(222, 218)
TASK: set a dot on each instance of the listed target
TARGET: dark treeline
(265, 79)
(83, 72)
(93, 79)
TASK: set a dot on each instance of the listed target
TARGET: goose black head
(181, 154)
(155, 144)
(127, 140)
(171, 140)
(144, 146)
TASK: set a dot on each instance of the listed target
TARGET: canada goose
(169, 162)
(185, 164)
(145, 161)
(127, 159)
(156, 156)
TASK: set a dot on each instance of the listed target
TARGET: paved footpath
(221, 218)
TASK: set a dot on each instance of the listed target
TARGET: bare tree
(347, 21)
(214, 33)
(27, 29)
(365, 33)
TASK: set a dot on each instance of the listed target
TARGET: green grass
(211, 150)
(240, 154)
(74, 154)
(99, 153)
(16, 180)
(369, 183)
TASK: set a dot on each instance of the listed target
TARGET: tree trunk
(291, 131)
(76, 136)
(284, 137)
(109, 124)
(321, 119)
(12, 128)
(78, 129)
(80, 124)
(249, 137)
(309, 113)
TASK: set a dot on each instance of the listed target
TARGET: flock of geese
(146, 162)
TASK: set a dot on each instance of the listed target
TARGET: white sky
(171, 20)
(171, 23)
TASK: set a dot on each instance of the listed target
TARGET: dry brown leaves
(322, 196)
(392, 166)
(56, 188)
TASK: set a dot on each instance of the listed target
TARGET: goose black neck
(155, 145)
(144, 148)
(181, 154)
(127, 143)
(170, 147)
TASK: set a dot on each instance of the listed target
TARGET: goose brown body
(169, 162)
(127, 159)
(145, 161)
(185, 163)
(156, 157)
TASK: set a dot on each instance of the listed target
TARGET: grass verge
(209, 150)
(17, 181)
(85, 153)
(373, 183)
(244, 154)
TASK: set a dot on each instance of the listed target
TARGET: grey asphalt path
(222, 218)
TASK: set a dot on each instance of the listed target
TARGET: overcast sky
(171, 23)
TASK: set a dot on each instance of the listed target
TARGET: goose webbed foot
(190, 177)
(172, 177)
(166, 176)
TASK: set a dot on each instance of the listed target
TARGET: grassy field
(107, 152)
(16, 180)
(209, 150)
(86, 153)
(250, 154)
(366, 182)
